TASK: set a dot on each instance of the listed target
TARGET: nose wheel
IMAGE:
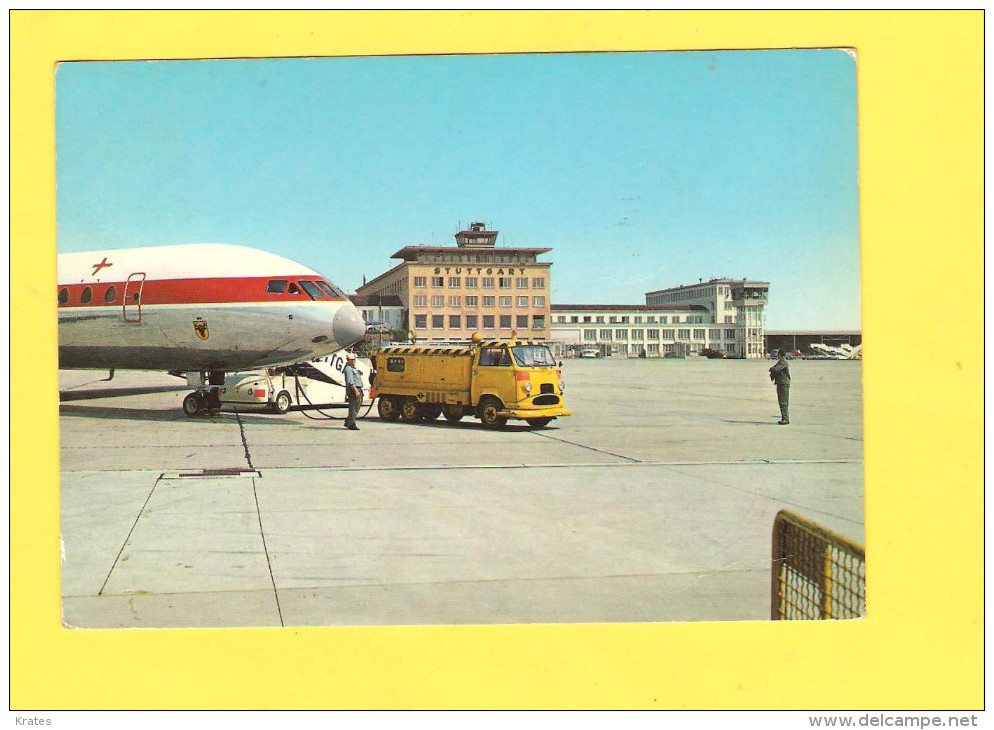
(202, 402)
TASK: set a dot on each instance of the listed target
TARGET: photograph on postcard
(469, 339)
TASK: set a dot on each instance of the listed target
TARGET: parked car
(712, 354)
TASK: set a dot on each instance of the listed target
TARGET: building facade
(738, 304)
(382, 313)
(449, 292)
(639, 330)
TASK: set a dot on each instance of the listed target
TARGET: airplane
(199, 310)
(844, 351)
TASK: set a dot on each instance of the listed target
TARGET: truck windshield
(533, 356)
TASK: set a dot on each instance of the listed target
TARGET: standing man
(353, 391)
(780, 374)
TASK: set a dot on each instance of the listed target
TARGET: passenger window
(63, 296)
(276, 286)
(137, 296)
(110, 296)
(86, 296)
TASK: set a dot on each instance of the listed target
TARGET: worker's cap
(350, 356)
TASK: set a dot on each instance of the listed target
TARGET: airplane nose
(348, 326)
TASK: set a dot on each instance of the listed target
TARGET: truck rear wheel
(489, 408)
(410, 410)
(387, 408)
(453, 414)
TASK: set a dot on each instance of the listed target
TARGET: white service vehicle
(316, 383)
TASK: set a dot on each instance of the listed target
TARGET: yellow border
(921, 647)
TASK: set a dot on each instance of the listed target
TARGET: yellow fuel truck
(492, 380)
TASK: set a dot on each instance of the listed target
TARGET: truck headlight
(562, 387)
(528, 387)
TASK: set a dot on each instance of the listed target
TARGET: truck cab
(517, 380)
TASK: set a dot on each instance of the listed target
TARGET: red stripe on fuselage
(193, 291)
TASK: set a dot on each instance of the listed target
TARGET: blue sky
(639, 170)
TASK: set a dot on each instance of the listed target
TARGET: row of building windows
(473, 282)
(604, 335)
(695, 293)
(624, 319)
(472, 321)
(477, 258)
(655, 348)
(421, 300)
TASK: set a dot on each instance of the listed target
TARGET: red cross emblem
(102, 264)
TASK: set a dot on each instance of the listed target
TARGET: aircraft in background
(199, 310)
(843, 351)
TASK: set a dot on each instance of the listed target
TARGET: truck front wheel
(387, 408)
(538, 422)
(489, 408)
(410, 410)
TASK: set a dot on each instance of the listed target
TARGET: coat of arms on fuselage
(200, 329)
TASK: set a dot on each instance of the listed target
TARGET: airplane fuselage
(197, 307)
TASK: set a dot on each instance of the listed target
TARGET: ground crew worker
(353, 391)
(780, 374)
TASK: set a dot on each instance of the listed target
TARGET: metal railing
(817, 574)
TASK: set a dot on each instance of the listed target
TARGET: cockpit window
(293, 289)
(312, 290)
(276, 286)
(328, 289)
(533, 356)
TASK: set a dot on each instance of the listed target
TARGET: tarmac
(653, 502)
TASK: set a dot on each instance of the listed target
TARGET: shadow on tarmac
(754, 423)
(469, 425)
(71, 395)
(172, 414)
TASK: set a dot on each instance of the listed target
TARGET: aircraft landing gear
(206, 399)
(193, 404)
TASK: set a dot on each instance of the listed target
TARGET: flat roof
(373, 300)
(732, 282)
(409, 251)
(819, 333)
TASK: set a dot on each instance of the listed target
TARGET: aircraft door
(131, 307)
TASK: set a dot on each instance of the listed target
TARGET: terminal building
(449, 292)
(720, 314)
(382, 313)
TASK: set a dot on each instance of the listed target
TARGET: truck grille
(546, 400)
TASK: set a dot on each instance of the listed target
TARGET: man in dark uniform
(780, 374)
